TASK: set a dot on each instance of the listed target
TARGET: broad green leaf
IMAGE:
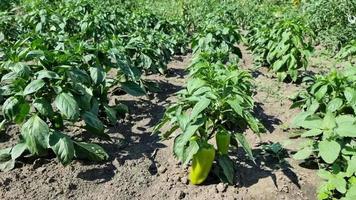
(340, 183)
(181, 141)
(329, 121)
(33, 86)
(87, 151)
(6, 163)
(346, 130)
(15, 109)
(280, 63)
(199, 107)
(194, 84)
(351, 193)
(235, 106)
(47, 74)
(66, 103)
(312, 133)
(62, 146)
(350, 95)
(111, 113)
(245, 145)
(80, 76)
(334, 105)
(345, 119)
(18, 150)
(190, 151)
(43, 107)
(183, 121)
(39, 54)
(303, 153)
(133, 88)
(228, 167)
(35, 132)
(321, 92)
(94, 125)
(351, 166)
(329, 150)
(97, 74)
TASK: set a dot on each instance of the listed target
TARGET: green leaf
(94, 125)
(339, 182)
(334, 105)
(235, 106)
(351, 166)
(329, 121)
(62, 146)
(303, 153)
(34, 86)
(329, 150)
(321, 92)
(15, 109)
(194, 84)
(346, 130)
(228, 167)
(312, 133)
(97, 74)
(47, 74)
(190, 151)
(6, 163)
(133, 88)
(43, 107)
(66, 103)
(111, 113)
(351, 193)
(181, 141)
(245, 145)
(280, 63)
(35, 132)
(18, 150)
(87, 151)
(199, 107)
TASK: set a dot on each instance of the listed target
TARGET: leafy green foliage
(217, 97)
(348, 51)
(60, 59)
(282, 47)
(333, 92)
(330, 20)
(330, 124)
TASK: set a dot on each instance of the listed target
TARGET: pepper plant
(331, 139)
(283, 47)
(333, 92)
(57, 66)
(217, 102)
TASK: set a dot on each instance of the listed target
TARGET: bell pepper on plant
(223, 141)
(202, 162)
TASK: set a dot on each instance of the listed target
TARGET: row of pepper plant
(216, 106)
(60, 62)
(328, 121)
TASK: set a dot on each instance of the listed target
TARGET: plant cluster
(329, 121)
(57, 60)
(217, 102)
(330, 20)
(282, 48)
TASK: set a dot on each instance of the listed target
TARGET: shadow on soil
(268, 121)
(249, 173)
(132, 138)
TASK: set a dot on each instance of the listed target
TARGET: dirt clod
(221, 187)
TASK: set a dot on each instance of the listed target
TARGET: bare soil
(143, 167)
